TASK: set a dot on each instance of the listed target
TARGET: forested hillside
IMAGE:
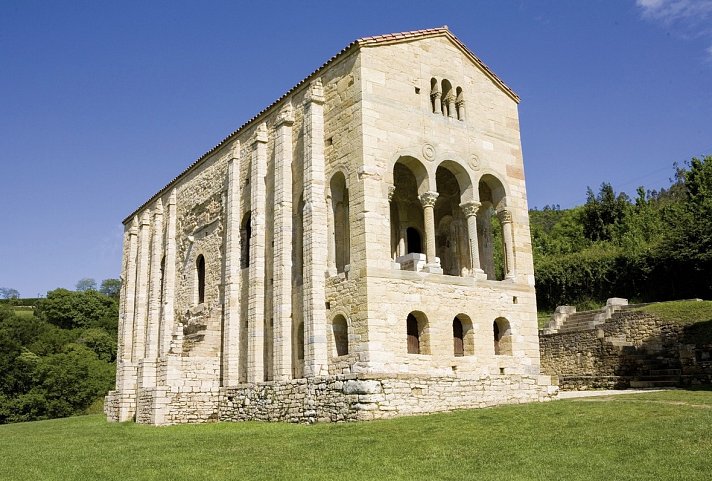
(59, 358)
(657, 246)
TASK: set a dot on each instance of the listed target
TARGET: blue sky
(103, 103)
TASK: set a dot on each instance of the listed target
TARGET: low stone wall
(631, 346)
(365, 397)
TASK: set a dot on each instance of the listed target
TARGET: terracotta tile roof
(361, 42)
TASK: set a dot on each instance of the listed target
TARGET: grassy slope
(636, 436)
(681, 312)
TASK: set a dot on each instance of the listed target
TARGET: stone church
(359, 249)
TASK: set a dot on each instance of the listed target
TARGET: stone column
(428, 200)
(154, 313)
(505, 218)
(169, 279)
(449, 102)
(470, 210)
(315, 233)
(148, 369)
(142, 270)
(129, 295)
(282, 287)
(435, 98)
(231, 325)
(256, 290)
(460, 105)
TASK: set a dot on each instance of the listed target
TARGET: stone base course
(334, 398)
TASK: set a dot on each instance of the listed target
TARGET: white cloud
(686, 19)
(672, 11)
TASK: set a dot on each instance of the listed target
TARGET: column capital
(146, 217)
(133, 230)
(261, 134)
(391, 191)
(315, 93)
(470, 208)
(285, 116)
(428, 198)
(505, 216)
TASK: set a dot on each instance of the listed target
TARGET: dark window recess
(459, 345)
(413, 335)
(414, 243)
(200, 266)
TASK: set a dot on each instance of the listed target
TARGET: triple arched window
(447, 100)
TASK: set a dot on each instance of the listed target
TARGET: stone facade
(348, 235)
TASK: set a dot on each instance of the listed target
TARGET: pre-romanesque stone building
(359, 249)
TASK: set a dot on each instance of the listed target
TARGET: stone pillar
(169, 279)
(129, 295)
(505, 218)
(470, 210)
(435, 98)
(282, 287)
(315, 233)
(148, 369)
(449, 102)
(231, 322)
(460, 105)
(428, 200)
(154, 312)
(256, 290)
(142, 270)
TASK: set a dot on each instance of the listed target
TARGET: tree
(9, 293)
(111, 287)
(70, 310)
(603, 215)
(86, 284)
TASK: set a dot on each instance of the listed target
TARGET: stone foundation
(335, 398)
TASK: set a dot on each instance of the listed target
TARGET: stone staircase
(566, 319)
(637, 368)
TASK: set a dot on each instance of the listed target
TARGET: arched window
(452, 240)
(200, 271)
(490, 230)
(245, 235)
(458, 338)
(341, 335)
(460, 103)
(502, 337)
(414, 242)
(435, 95)
(448, 99)
(413, 335)
(340, 222)
(417, 332)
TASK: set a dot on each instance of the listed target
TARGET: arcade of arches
(452, 229)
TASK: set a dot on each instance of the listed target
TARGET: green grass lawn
(651, 436)
(681, 312)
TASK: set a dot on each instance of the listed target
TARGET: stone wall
(365, 397)
(632, 349)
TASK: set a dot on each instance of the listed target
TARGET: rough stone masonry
(360, 249)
